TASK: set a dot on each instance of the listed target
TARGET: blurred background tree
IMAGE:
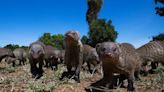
(84, 39)
(160, 10)
(100, 30)
(14, 46)
(46, 39)
(159, 37)
(94, 7)
(11, 46)
(53, 40)
(58, 41)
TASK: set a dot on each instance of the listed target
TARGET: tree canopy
(94, 7)
(160, 10)
(84, 39)
(159, 37)
(14, 46)
(100, 30)
(53, 40)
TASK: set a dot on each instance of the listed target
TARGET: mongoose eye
(103, 49)
(114, 49)
(94, 57)
(39, 52)
(32, 51)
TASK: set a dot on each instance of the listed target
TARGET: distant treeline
(14, 46)
(58, 41)
(159, 37)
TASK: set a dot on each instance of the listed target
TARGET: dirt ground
(140, 86)
(18, 79)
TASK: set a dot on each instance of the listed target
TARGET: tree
(58, 41)
(12, 46)
(84, 40)
(94, 7)
(159, 37)
(160, 10)
(53, 40)
(100, 30)
(46, 39)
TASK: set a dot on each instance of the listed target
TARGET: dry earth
(18, 79)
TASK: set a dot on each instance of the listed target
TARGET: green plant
(160, 77)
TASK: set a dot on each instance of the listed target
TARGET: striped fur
(152, 51)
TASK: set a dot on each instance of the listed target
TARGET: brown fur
(73, 55)
(4, 52)
(152, 52)
(20, 54)
(36, 56)
(118, 58)
(53, 57)
(10, 60)
(90, 57)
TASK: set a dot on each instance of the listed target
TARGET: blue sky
(23, 21)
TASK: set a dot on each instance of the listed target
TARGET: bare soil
(18, 79)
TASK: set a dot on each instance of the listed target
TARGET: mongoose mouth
(36, 56)
(108, 55)
(69, 36)
(69, 39)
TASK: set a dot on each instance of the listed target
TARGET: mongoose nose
(108, 54)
